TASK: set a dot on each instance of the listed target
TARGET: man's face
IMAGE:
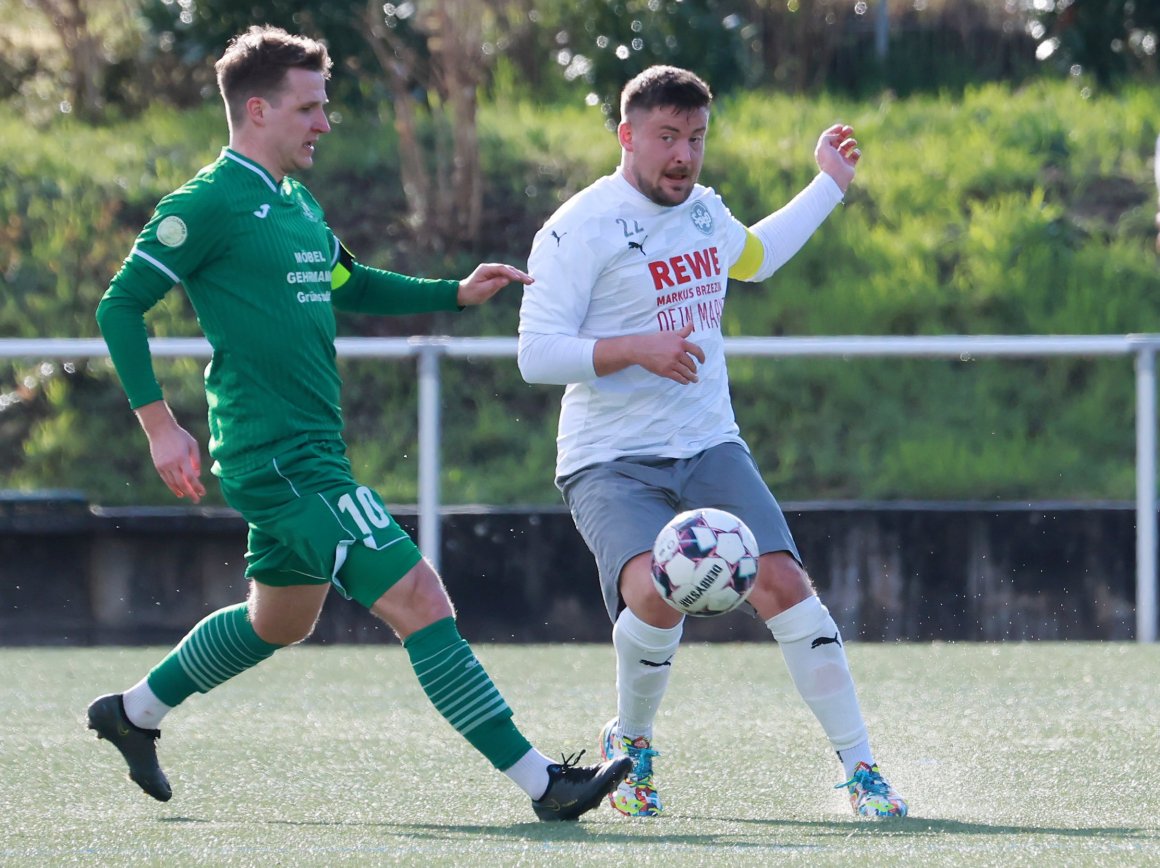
(294, 119)
(662, 151)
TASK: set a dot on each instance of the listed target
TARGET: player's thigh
(619, 508)
(726, 477)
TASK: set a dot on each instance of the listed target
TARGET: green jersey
(264, 273)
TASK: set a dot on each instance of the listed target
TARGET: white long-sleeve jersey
(610, 262)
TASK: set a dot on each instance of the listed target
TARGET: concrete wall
(72, 574)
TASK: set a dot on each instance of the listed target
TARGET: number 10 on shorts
(365, 510)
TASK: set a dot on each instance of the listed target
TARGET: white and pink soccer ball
(704, 562)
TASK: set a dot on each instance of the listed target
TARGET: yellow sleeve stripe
(748, 264)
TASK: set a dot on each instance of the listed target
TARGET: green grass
(1014, 754)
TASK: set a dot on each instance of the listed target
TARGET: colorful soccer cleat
(138, 746)
(871, 794)
(574, 789)
(636, 796)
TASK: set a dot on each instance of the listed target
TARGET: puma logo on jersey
(262, 212)
(558, 238)
(638, 245)
(826, 640)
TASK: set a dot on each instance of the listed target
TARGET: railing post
(430, 537)
(1146, 494)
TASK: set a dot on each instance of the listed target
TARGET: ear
(256, 110)
(624, 135)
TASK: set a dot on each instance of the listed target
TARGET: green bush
(996, 211)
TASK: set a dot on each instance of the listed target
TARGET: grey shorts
(620, 506)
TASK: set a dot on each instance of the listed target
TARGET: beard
(661, 191)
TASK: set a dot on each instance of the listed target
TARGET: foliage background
(992, 199)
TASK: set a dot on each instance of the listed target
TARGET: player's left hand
(837, 153)
(488, 279)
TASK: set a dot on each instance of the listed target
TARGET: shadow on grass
(923, 826)
(629, 832)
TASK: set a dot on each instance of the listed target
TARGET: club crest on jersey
(701, 218)
(172, 231)
(307, 212)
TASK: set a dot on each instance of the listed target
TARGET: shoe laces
(641, 757)
(868, 779)
(569, 765)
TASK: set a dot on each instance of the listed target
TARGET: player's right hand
(178, 461)
(174, 450)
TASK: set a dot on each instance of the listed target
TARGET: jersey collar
(267, 178)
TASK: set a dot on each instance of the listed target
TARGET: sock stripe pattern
(459, 687)
(221, 646)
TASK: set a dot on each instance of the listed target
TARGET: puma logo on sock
(668, 662)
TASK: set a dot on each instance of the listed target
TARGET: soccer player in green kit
(264, 274)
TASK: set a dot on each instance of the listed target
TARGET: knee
(284, 631)
(416, 600)
(781, 583)
(640, 594)
(285, 615)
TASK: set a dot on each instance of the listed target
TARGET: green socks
(224, 644)
(460, 689)
(220, 646)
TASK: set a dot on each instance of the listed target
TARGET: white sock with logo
(812, 647)
(644, 657)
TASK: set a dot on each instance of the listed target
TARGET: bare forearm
(615, 354)
(156, 419)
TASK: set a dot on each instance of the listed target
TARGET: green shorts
(307, 515)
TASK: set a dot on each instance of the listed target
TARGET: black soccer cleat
(138, 746)
(574, 789)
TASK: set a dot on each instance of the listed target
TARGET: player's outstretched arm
(174, 451)
(837, 153)
(488, 279)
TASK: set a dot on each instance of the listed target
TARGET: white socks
(813, 652)
(644, 657)
(530, 773)
(142, 706)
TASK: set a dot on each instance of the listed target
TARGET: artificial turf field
(1011, 754)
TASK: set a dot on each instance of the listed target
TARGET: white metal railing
(429, 350)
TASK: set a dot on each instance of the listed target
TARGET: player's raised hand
(837, 153)
(669, 354)
(488, 279)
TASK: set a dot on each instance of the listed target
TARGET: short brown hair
(667, 86)
(255, 64)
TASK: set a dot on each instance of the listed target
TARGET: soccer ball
(704, 562)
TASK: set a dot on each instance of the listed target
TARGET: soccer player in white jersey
(630, 279)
